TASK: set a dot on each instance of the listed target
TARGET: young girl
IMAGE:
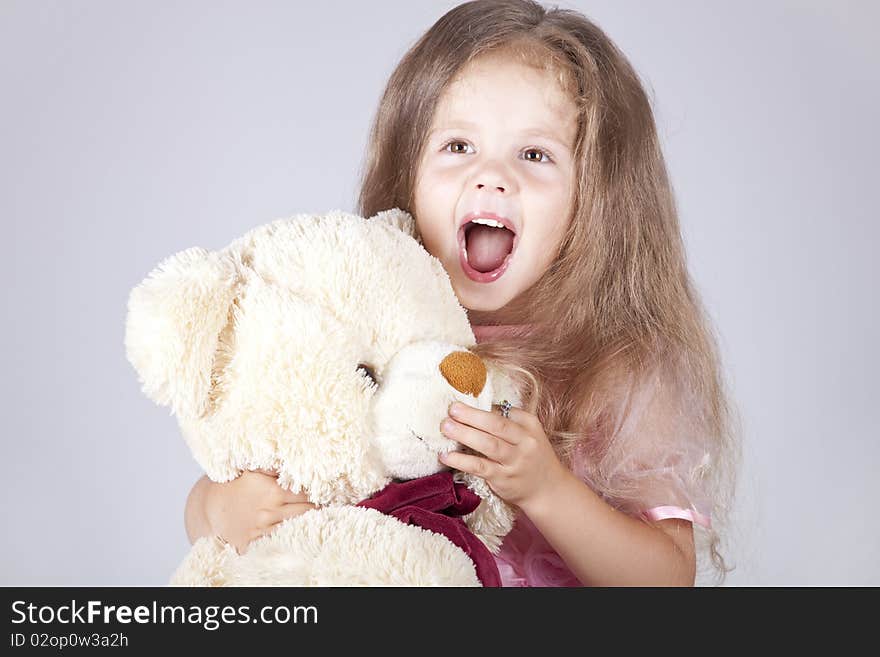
(533, 123)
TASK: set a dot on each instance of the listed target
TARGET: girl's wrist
(546, 499)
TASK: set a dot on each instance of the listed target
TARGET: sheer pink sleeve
(654, 458)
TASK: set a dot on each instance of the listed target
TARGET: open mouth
(485, 246)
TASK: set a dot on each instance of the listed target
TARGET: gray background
(129, 131)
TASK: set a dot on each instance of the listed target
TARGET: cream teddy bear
(326, 347)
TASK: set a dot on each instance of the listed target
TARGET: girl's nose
(464, 371)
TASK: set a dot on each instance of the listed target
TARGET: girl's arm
(195, 517)
(605, 547)
(601, 545)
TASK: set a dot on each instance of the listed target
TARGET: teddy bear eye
(367, 371)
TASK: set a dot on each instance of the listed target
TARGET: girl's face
(500, 146)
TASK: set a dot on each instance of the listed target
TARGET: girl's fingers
(517, 415)
(491, 422)
(469, 463)
(490, 446)
(271, 528)
(286, 511)
(294, 498)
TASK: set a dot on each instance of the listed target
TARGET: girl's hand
(250, 506)
(518, 460)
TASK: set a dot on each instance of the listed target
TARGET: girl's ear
(174, 319)
(400, 219)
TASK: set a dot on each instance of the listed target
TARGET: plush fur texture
(326, 347)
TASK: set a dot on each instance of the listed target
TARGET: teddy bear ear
(400, 219)
(174, 319)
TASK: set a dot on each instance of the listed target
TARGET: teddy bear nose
(464, 371)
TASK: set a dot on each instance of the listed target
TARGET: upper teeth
(488, 222)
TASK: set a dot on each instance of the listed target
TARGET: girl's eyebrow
(543, 134)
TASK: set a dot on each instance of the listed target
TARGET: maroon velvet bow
(437, 503)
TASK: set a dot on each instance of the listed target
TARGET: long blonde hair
(624, 311)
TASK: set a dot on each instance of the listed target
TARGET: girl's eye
(455, 142)
(541, 152)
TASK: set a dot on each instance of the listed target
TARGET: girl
(531, 122)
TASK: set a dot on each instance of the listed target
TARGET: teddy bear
(326, 347)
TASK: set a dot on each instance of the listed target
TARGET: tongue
(487, 246)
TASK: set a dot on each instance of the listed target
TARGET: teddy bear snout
(464, 371)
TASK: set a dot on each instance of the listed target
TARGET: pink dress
(527, 559)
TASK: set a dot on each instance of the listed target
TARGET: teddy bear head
(326, 347)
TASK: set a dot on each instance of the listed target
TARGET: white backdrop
(132, 130)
